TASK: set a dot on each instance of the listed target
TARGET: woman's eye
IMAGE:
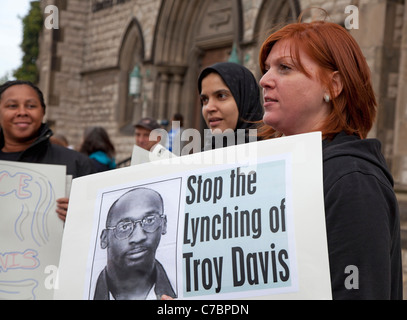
(284, 68)
(204, 101)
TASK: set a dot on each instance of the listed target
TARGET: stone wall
(84, 64)
(80, 63)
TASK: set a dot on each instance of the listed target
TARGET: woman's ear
(337, 84)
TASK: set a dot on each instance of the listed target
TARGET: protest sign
(249, 228)
(30, 230)
(141, 155)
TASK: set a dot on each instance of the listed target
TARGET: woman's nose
(267, 81)
(211, 105)
(21, 110)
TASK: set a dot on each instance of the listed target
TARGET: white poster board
(30, 230)
(141, 155)
(245, 222)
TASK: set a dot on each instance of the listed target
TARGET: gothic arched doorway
(193, 34)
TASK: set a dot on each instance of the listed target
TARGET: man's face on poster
(134, 231)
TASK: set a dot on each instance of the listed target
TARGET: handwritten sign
(234, 230)
(30, 231)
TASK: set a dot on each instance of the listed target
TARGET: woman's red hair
(334, 50)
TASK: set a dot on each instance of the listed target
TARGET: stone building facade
(85, 64)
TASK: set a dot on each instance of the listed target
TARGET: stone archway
(131, 54)
(185, 32)
(193, 34)
(273, 14)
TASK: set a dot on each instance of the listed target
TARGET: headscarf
(246, 92)
(244, 88)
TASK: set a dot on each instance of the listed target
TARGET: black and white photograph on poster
(134, 250)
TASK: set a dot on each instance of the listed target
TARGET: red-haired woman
(317, 79)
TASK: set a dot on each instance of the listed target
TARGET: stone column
(163, 99)
(400, 145)
(380, 43)
(174, 95)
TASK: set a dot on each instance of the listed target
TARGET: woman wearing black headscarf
(231, 103)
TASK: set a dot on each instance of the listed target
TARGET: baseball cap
(148, 123)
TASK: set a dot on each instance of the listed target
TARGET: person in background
(316, 79)
(230, 99)
(25, 138)
(60, 139)
(98, 147)
(146, 135)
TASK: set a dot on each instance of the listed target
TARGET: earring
(327, 98)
